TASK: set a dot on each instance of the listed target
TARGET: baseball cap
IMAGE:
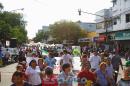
(127, 64)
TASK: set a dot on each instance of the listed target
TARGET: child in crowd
(49, 79)
(19, 68)
(18, 79)
(65, 78)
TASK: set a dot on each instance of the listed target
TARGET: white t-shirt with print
(66, 58)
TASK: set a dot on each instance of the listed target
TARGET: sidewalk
(6, 74)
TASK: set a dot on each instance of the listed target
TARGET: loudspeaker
(13, 42)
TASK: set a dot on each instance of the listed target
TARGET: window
(114, 2)
(114, 21)
(100, 25)
(127, 18)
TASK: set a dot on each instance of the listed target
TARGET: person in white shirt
(33, 74)
(95, 61)
(66, 58)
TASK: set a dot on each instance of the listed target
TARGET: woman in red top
(86, 75)
(49, 79)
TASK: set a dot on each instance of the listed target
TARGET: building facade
(118, 28)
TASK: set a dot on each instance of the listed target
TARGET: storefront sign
(7, 43)
(84, 40)
(122, 35)
(102, 38)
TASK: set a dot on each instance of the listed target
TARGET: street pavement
(7, 71)
(6, 74)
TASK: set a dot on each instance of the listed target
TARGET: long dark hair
(31, 62)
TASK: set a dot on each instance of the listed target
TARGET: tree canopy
(62, 31)
(66, 30)
(12, 25)
(41, 36)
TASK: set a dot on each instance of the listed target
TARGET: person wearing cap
(49, 79)
(127, 64)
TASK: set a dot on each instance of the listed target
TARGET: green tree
(66, 30)
(4, 31)
(19, 34)
(13, 19)
(12, 25)
(41, 36)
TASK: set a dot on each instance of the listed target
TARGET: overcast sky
(40, 13)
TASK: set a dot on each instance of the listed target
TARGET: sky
(40, 13)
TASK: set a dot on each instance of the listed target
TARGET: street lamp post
(105, 21)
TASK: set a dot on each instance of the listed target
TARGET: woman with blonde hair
(103, 78)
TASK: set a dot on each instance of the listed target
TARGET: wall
(107, 13)
(121, 9)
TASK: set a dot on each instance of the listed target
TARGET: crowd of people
(97, 69)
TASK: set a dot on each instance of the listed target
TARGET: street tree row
(62, 31)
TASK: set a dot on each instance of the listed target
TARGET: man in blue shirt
(50, 60)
